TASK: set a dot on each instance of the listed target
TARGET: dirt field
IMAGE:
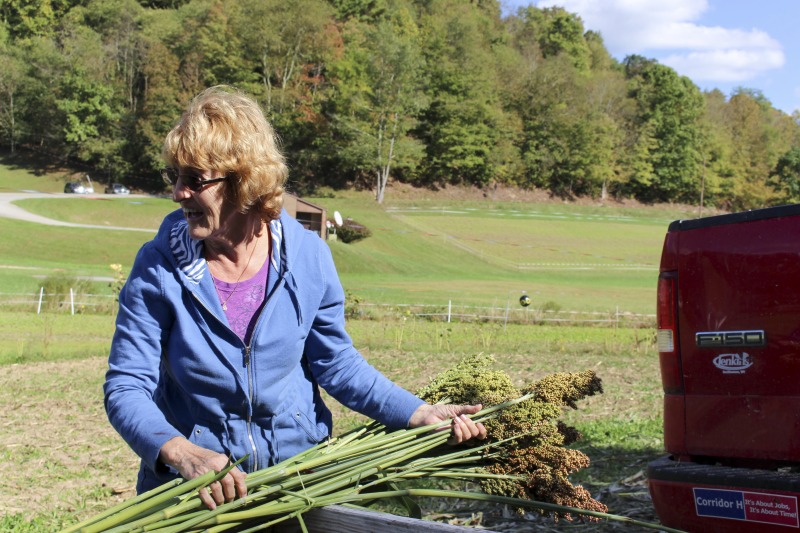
(59, 452)
(60, 455)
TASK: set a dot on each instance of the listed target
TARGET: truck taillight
(666, 311)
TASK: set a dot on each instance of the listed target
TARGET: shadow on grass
(37, 162)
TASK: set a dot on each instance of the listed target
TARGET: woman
(233, 316)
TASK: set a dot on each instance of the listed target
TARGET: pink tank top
(244, 300)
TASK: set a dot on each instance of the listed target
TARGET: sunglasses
(190, 181)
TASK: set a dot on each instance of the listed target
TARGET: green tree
(362, 10)
(608, 102)
(786, 175)
(209, 45)
(467, 133)
(29, 18)
(11, 80)
(379, 93)
(746, 120)
(557, 31)
(162, 100)
(714, 153)
(119, 23)
(667, 126)
(568, 145)
(40, 122)
(91, 119)
(289, 43)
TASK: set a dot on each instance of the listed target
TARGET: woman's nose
(180, 192)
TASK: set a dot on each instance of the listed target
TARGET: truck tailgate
(739, 338)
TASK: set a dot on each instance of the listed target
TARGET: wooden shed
(311, 216)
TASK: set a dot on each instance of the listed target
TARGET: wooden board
(336, 518)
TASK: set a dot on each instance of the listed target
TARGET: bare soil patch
(59, 453)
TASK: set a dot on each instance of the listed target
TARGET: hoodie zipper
(249, 370)
(248, 367)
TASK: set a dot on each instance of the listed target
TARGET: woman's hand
(463, 427)
(192, 461)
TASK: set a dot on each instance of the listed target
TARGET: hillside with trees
(362, 92)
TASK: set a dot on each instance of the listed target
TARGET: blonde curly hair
(226, 131)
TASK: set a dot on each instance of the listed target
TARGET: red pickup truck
(729, 349)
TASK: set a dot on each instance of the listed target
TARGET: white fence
(455, 312)
(71, 301)
(448, 312)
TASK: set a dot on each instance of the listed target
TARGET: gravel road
(9, 210)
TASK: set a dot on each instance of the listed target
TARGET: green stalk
(148, 503)
(354, 469)
(357, 442)
(336, 471)
(123, 505)
(382, 463)
(154, 500)
(321, 470)
(172, 521)
(308, 499)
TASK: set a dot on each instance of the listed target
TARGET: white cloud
(729, 65)
(666, 31)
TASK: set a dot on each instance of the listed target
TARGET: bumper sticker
(748, 506)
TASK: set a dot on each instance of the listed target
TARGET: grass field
(578, 257)
(61, 459)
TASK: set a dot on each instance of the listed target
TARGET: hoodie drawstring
(291, 284)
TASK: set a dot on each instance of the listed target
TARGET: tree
(162, 98)
(668, 112)
(40, 122)
(209, 46)
(379, 82)
(119, 22)
(611, 110)
(565, 146)
(745, 120)
(558, 32)
(466, 132)
(29, 18)
(289, 46)
(91, 120)
(717, 175)
(786, 175)
(11, 78)
(288, 42)
(362, 10)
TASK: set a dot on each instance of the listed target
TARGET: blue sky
(721, 44)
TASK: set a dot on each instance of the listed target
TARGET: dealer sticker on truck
(749, 506)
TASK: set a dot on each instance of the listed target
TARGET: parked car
(75, 187)
(117, 188)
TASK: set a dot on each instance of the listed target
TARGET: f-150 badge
(733, 363)
(719, 339)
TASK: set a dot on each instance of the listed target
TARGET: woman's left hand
(463, 427)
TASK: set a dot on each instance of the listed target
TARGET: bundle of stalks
(523, 464)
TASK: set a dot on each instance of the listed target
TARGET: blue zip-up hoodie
(177, 369)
